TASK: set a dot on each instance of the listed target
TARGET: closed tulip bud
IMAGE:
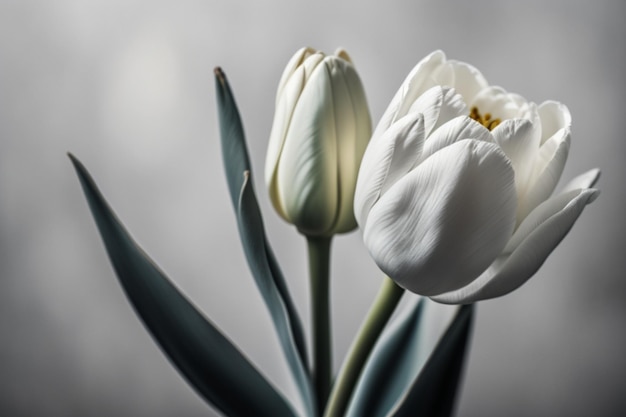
(321, 128)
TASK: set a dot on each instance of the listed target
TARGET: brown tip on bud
(221, 77)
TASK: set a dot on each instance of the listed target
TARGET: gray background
(127, 85)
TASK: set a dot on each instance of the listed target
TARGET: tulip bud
(321, 128)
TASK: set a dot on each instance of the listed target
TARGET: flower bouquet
(453, 193)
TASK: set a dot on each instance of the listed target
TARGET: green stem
(385, 303)
(319, 268)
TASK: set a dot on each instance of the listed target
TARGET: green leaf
(236, 162)
(259, 254)
(234, 149)
(391, 367)
(433, 393)
(203, 355)
(253, 239)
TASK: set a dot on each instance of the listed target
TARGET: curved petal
(459, 128)
(414, 84)
(346, 133)
(439, 105)
(517, 139)
(586, 180)
(554, 116)
(468, 81)
(459, 202)
(547, 168)
(296, 61)
(351, 151)
(307, 173)
(290, 90)
(534, 240)
(497, 102)
(386, 160)
(343, 54)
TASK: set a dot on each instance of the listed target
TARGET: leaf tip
(219, 75)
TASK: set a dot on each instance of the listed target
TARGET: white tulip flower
(321, 128)
(454, 194)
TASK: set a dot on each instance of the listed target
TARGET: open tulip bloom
(455, 199)
(454, 194)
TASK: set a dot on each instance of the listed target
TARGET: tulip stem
(319, 268)
(385, 303)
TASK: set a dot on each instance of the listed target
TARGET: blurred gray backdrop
(127, 85)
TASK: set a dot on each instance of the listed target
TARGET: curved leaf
(433, 392)
(234, 149)
(390, 367)
(203, 355)
(259, 254)
(253, 239)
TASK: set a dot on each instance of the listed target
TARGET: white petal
(586, 180)
(387, 160)
(343, 54)
(547, 171)
(346, 134)
(441, 225)
(459, 128)
(439, 105)
(353, 133)
(296, 60)
(554, 116)
(519, 142)
(307, 172)
(535, 239)
(468, 81)
(290, 90)
(414, 85)
(497, 102)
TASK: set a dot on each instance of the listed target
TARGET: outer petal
(414, 85)
(586, 180)
(458, 203)
(534, 240)
(386, 160)
(353, 132)
(307, 173)
(345, 131)
(547, 168)
(554, 116)
(459, 128)
(286, 101)
(296, 60)
(439, 105)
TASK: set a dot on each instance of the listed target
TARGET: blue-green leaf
(433, 393)
(234, 149)
(204, 356)
(390, 368)
(253, 239)
(259, 254)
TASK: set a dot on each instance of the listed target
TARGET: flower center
(485, 119)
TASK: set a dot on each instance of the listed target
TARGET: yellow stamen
(485, 120)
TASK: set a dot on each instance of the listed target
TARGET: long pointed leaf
(389, 369)
(253, 238)
(434, 391)
(269, 278)
(202, 354)
(236, 162)
(234, 149)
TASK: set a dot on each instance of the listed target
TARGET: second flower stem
(319, 268)
(385, 303)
